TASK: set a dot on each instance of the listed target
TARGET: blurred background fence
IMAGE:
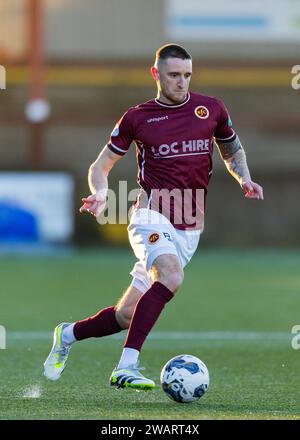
(90, 61)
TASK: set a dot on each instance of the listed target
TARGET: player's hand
(94, 204)
(252, 190)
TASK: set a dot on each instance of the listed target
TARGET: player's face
(173, 80)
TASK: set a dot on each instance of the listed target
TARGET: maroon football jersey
(174, 146)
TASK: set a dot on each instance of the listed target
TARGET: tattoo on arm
(227, 149)
(237, 166)
(234, 157)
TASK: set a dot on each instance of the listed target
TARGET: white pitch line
(170, 335)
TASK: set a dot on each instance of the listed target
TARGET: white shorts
(150, 235)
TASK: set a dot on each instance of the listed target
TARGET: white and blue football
(184, 378)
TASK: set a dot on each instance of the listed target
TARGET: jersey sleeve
(122, 135)
(224, 131)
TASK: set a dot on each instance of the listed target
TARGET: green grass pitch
(235, 311)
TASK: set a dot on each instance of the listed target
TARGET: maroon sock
(146, 313)
(102, 324)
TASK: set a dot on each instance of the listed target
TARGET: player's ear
(154, 72)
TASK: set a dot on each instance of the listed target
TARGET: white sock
(67, 336)
(129, 356)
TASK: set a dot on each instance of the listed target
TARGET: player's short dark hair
(171, 51)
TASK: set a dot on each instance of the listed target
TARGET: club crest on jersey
(154, 237)
(201, 112)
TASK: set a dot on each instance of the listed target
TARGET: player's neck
(164, 100)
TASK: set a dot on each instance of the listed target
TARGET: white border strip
(173, 105)
(170, 335)
(117, 148)
(143, 162)
(179, 155)
(225, 139)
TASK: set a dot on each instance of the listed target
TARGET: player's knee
(172, 280)
(167, 270)
(170, 276)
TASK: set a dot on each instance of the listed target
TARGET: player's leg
(106, 322)
(115, 318)
(163, 253)
(126, 305)
(167, 277)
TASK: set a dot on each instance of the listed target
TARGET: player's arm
(234, 157)
(98, 183)
(118, 145)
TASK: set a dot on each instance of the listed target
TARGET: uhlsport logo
(158, 119)
(201, 112)
(2, 78)
(153, 238)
